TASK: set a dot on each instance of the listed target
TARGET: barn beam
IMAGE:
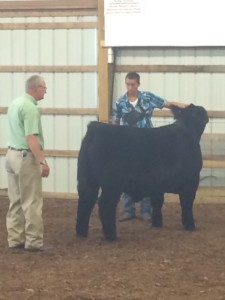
(48, 13)
(63, 111)
(214, 114)
(118, 68)
(171, 68)
(103, 68)
(47, 69)
(52, 153)
(47, 4)
(48, 25)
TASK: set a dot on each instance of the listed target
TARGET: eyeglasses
(44, 87)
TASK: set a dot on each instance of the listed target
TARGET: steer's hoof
(190, 227)
(110, 238)
(81, 237)
(82, 234)
(157, 224)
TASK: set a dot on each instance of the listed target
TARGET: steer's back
(134, 157)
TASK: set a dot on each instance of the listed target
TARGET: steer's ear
(176, 111)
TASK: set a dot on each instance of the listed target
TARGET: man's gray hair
(33, 81)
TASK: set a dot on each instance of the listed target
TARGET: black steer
(140, 162)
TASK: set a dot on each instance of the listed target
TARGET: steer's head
(192, 116)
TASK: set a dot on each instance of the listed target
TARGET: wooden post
(103, 68)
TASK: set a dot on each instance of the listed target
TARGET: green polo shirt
(24, 119)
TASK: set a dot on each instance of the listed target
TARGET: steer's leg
(107, 212)
(88, 195)
(157, 203)
(186, 201)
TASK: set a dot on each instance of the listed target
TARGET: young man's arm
(169, 104)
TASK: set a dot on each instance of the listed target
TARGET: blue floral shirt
(148, 101)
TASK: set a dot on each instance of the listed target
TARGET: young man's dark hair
(133, 75)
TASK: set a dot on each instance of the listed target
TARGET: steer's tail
(87, 189)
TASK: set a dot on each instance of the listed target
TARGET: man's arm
(38, 154)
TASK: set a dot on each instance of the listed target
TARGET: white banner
(164, 23)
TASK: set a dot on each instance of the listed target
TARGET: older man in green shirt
(26, 165)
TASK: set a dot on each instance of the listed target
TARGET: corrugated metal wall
(52, 47)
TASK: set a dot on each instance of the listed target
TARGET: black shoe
(41, 249)
(18, 246)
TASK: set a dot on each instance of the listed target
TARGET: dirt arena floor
(144, 264)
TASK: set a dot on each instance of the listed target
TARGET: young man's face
(131, 85)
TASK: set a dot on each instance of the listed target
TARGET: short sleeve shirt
(24, 119)
(147, 100)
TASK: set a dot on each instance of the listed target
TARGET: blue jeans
(129, 205)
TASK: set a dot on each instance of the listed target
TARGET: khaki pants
(24, 218)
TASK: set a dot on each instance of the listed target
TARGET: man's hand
(45, 170)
